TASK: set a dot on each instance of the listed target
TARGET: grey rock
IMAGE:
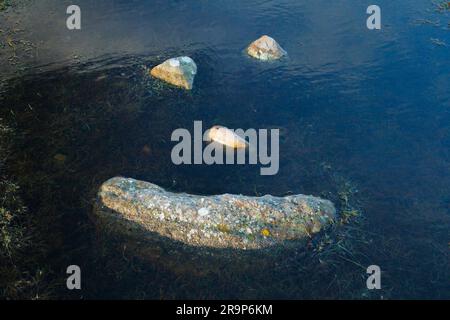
(265, 48)
(160, 224)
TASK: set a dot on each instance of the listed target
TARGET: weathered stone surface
(178, 71)
(156, 222)
(265, 48)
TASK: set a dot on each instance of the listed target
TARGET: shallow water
(367, 111)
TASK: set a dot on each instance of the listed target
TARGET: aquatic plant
(4, 4)
(22, 271)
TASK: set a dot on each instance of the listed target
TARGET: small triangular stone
(266, 48)
(179, 71)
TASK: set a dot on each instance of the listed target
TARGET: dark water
(365, 113)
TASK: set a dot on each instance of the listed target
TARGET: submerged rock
(165, 226)
(226, 137)
(60, 158)
(178, 71)
(265, 48)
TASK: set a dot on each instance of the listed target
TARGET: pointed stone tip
(265, 48)
(179, 71)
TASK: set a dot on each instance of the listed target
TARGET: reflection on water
(371, 108)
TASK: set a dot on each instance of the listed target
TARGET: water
(365, 113)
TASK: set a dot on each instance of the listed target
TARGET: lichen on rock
(149, 215)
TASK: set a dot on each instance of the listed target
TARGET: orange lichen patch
(239, 204)
(176, 79)
(305, 208)
(222, 227)
(265, 232)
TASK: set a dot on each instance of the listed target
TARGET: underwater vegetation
(23, 270)
(4, 4)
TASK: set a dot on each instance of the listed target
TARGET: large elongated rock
(265, 48)
(162, 225)
(178, 71)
